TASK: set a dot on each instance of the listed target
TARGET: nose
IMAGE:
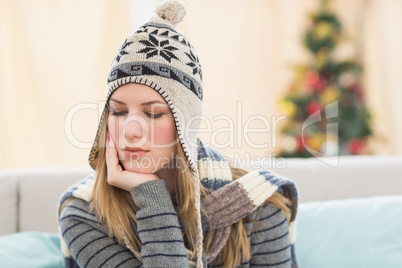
(135, 130)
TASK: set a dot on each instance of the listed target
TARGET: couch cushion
(364, 232)
(30, 249)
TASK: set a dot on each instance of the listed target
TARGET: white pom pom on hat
(172, 11)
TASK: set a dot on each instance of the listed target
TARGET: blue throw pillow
(350, 233)
(30, 249)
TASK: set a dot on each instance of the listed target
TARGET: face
(141, 124)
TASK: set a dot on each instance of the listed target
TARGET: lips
(134, 149)
(134, 153)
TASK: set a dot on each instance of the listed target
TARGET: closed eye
(118, 113)
(154, 116)
(122, 113)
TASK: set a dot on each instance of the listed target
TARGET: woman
(159, 196)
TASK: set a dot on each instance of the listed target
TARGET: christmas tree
(324, 105)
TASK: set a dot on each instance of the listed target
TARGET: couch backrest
(344, 177)
(29, 196)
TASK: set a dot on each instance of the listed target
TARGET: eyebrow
(143, 104)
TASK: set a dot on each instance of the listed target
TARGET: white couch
(29, 196)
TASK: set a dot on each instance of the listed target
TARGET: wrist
(152, 193)
(127, 180)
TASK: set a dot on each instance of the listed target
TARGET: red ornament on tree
(315, 81)
(355, 146)
(311, 78)
(300, 145)
(313, 106)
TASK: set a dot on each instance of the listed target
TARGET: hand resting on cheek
(120, 178)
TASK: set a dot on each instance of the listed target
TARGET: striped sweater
(86, 243)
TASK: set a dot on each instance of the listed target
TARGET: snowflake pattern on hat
(122, 51)
(162, 48)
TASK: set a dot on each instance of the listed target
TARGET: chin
(134, 166)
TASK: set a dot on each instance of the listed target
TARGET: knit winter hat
(161, 57)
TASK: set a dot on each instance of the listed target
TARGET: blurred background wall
(55, 57)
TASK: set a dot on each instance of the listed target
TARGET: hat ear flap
(100, 139)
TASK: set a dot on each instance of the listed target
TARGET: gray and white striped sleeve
(270, 242)
(157, 226)
(88, 241)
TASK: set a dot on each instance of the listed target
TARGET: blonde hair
(115, 209)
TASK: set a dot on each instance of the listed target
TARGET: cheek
(165, 132)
